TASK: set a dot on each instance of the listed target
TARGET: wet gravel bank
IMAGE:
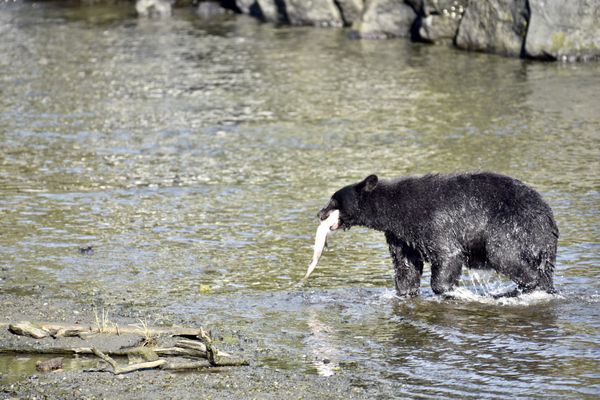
(254, 382)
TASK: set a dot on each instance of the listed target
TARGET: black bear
(476, 220)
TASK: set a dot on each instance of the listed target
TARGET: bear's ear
(369, 183)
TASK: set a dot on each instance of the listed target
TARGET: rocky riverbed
(537, 29)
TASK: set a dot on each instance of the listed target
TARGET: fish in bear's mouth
(330, 223)
(325, 213)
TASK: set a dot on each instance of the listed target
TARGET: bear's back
(485, 197)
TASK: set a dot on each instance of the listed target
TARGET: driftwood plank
(198, 344)
(117, 369)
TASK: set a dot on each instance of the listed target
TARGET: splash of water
(484, 283)
(482, 286)
(526, 299)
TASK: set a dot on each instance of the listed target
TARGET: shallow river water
(193, 156)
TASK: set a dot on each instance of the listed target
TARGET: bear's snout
(323, 214)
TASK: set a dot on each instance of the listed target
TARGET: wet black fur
(478, 220)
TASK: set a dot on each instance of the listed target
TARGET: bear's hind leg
(445, 273)
(530, 271)
(408, 266)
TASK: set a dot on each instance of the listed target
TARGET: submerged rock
(52, 364)
(89, 250)
(494, 26)
(564, 30)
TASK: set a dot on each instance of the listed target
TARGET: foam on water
(526, 299)
(482, 286)
(595, 298)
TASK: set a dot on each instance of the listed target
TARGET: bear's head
(350, 201)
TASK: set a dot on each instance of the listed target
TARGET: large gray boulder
(351, 10)
(441, 7)
(494, 26)
(564, 30)
(313, 12)
(386, 18)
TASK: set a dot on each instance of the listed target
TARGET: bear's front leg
(408, 266)
(445, 272)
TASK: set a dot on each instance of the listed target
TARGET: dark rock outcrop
(209, 9)
(272, 10)
(294, 12)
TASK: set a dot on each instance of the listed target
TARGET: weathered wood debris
(158, 347)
